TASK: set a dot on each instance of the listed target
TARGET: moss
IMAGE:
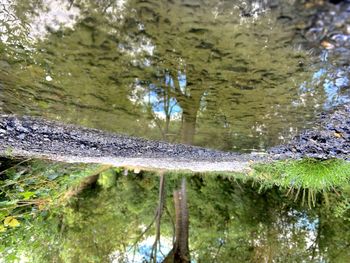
(304, 179)
(311, 174)
(308, 173)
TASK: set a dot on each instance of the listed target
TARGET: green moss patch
(308, 173)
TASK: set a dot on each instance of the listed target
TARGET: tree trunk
(180, 252)
(189, 119)
(181, 249)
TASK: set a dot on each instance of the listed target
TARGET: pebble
(57, 138)
(332, 141)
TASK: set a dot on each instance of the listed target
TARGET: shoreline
(37, 138)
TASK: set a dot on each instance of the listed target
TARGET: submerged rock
(331, 140)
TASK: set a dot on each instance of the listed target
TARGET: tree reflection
(139, 68)
(212, 48)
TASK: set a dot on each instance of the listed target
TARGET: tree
(212, 46)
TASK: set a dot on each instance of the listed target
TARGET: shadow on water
(111, 215)
(228, 75)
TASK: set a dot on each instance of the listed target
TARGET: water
(236, 76)
(229, 75)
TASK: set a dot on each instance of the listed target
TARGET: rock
(332, 141)
(21, 136)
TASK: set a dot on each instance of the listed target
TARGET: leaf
(53, 176)
(3, 214)
(27, 195)
(8, 204)
(11, 221)
(2, 229)
(8, 182)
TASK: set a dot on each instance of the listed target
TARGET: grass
(307, 173)
(304, 178)
(316, 175)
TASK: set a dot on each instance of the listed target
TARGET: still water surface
(230, 75)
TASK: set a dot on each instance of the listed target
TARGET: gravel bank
(34, 137)
(330, 140)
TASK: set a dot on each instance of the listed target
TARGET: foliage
(109, 216)
(85, 219)
(305, 178)
(32, 187)
(236, 221)
(123, 69)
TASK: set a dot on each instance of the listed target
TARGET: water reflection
(226, 75)
(115, 219)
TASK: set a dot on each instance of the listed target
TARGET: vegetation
(304, 178)
(326, 175)
(48, 208)
(29, 188)
(233, 81)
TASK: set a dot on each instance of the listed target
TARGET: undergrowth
(31, 187)
(304, 179)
